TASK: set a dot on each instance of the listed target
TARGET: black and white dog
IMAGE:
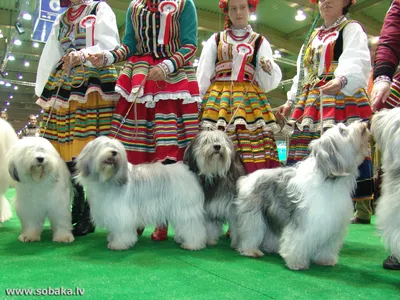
(303, 212)
(212, 157)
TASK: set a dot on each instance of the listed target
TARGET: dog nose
(114, 153)
(40, 159)
(217, 147)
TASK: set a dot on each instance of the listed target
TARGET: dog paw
(327, 262)
(192, 247)
(256, 253)
(5, 215)
(118, 246)
(212, 242)
(63, 238)
(27, 237)
(178, 240)
(297, 266)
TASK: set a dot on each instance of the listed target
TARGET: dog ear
(12, 170)
(343, 130)
(84, 163)
(328, 158)
(237, 168)
(189, 157)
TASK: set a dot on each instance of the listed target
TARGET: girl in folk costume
(386, 94)
(78, 98)
(235, 71)
(157, 114)
(333, 66)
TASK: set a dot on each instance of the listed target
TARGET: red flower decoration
(223, 5)
(253, 5)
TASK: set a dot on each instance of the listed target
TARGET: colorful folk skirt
(253, 125)
(155, 120)
(78, 86)
(336, 109)
(70, 129)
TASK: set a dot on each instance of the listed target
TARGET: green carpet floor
(164, 271)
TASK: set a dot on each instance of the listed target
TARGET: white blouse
(354, 62)
(206, 68)
(106, 37)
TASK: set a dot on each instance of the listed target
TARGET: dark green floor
(164, 271)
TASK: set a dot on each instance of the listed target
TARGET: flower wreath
(315, 1)
(223, 5)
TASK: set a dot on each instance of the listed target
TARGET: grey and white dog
(124, 197)
(212, 157)
(303, 212)
(386, 130)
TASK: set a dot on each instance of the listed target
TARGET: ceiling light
(277, 54)
(1, 34)
(10, 57)
(17, 42)
(5, 73)
(2, 82)
(26, 16)
(253, 17)
(20, 76)
(10, 96)
(5, 109)
(7, 103)
(35, 45)
(8, 84)
(301, 16)
(26, 63)
(15, 87)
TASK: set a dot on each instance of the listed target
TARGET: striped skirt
(155, 120)
(70, 129)
(253, 126)
(339, 109)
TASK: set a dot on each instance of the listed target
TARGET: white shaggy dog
(303, 212)
(43, 186)
(386, 130)
(212, 157)
(124, 197)
(8, 138)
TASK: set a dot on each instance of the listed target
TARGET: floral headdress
(223, 5)
(315, 1)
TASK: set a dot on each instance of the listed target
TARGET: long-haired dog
(43, 186)
(303, 212)
(124, 197)
(8, 138)
(212, 157)
(386, 130)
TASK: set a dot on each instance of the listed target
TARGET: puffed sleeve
(355, 60)
(269, 73)
(388, 51)
(51, 55)
(106, 35)
(206, 67)
(291, 94)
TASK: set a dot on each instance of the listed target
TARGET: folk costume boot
(84, 224)
(160, 233)
(79, 196)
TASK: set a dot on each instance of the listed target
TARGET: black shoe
(357, 220)
(78, 202)
(84, 224)
(391, 263)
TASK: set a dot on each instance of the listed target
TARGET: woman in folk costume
(386, 94)
(235, 71)
(157, 114)
(78, 98)
(334, 65)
